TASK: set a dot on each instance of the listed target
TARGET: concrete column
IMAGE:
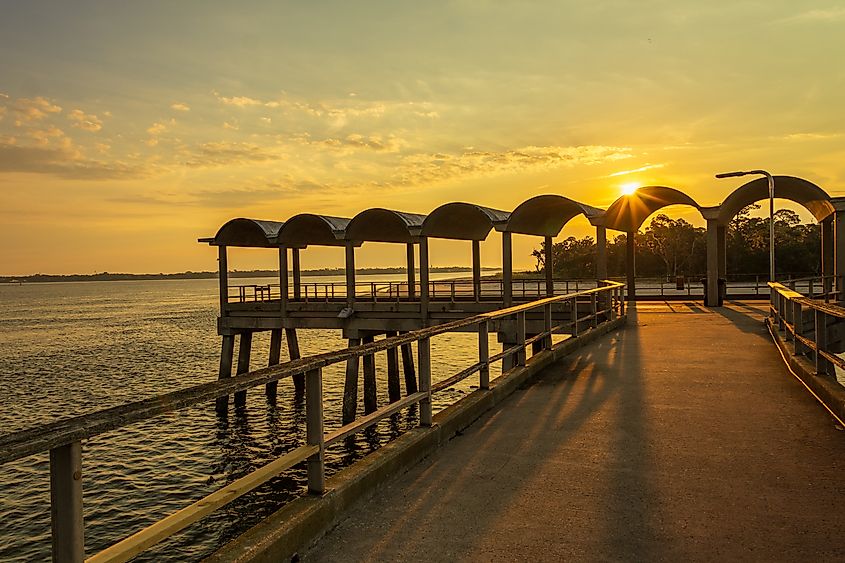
(507, 269)
(722, 247)
(223, 269)
(550, 266)
(283, 280)
(826, 227)
(631, 265)
(412, 274)
(476, 270)
(297, 276)
(839, 254)
(350, 274)
(424, 277)
(711, 295)
(601, 252)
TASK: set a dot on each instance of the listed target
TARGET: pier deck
(683, 437)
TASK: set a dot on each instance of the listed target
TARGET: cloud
(62, 162)
(224, 153)
(157, 128)
(810, 136)
(635, 170)
(32, 109)
(85, 121)
(829, 15)
(231, 126)
(2, 112)
(360, 142)
(239, 101)
(178, 106)
(426, 168)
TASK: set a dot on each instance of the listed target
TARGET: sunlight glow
(629, 188)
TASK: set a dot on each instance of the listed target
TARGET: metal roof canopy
(307, 229)
(250, 233)
(463, 221)
(805, 193)
(545, 215)
(629, 212)
(384, 225)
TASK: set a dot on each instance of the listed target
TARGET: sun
(629, 188)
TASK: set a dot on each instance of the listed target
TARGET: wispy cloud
(830, 15)
(224, 153)
(355, 141)
(179, 106)
(810, 136)
(85, 121)
(62, 162)
(635, 170)
(32, 109)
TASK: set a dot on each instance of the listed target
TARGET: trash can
(723, 291)
(680, 283)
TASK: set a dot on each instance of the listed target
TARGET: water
(72, 348)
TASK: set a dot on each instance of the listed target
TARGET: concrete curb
(303, 521)
(825, 388)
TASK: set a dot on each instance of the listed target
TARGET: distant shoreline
(108, 276)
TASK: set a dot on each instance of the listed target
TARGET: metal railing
(63, 438)
(812, 325)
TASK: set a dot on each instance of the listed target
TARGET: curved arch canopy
(384, 225)
(805, 193)
(630, 211)
(255, 233)
(308, 229)
(545, 215)
(462, 221)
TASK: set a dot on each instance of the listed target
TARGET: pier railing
(63, 439)
(815, 327)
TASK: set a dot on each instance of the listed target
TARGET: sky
(130, 129)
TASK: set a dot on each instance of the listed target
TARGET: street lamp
(771, 212)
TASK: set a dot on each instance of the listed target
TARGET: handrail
(63, 438)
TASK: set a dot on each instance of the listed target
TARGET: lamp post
(771, 212)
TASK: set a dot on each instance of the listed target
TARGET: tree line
(674, 247)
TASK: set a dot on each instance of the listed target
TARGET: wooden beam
(549, 266)
(412, 281)
(244, 352)
(476, 270)
(283, 280)
(424, 278)
(314, 431)
(225, 371)
(223, 273)
(507, 269)
(424, 360)
(66, 503)
(408, 369)
(294, 354)
(350, 274)
(297, 273)
(350, 386)
(394, 390)
(271, 389)
(370, 395)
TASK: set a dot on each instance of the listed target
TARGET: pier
(642, 425)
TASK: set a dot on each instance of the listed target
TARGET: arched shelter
(629, 212)
(545, 216)
(463, 221)
(805, 193)
(301, 231)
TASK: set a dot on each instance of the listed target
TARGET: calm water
(71, 348)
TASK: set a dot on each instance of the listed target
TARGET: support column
(223, 272)
(350, 275)
(839, 255)
(66, 517)
(270, 390)
(550, 267)
(711, 295)
(722, 259)
(507, 269)
(294, 354)
(394, 390)
(601, 252)
(826, 228)
(226, 354)
(350, 386)
(476, 270)
(283, 280)
(424, 278)
(408, 368)
(369, 361)
(244, 352)
(297, 276)
(631, 264)
(412, 273)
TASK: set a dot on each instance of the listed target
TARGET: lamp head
(731, 174)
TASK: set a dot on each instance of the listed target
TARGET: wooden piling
(394, 390)
(294, 354)
(350, 386)
(221, 404)
(244, 351)
(66, 503)
(369, 362)
(272, 387)
(408, 368)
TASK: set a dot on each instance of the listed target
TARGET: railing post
(483, 356)
(798, 327)
(547, 326)
(821, 343)
(424, 360)
(594, 309)
(520, 338)
(66, 503)
(314, 431)
(574, 315)
(612, 302)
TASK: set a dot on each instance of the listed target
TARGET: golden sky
(128, 130)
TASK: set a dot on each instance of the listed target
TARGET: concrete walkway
(680, 438)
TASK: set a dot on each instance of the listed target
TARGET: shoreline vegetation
(189, 275)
